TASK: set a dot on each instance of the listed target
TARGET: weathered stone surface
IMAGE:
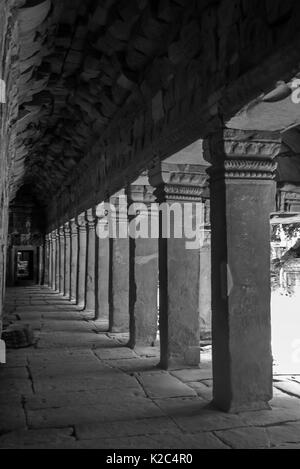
(245, 438)
(193, 374)
(12, 416)
(37, 438)
(119, 410)
(160, 384)
(115, 353)
(284, 434)
(82, 401)
(127, 428)
(201, 389)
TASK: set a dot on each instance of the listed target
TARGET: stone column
(61, 281)
(178, 189)
(41, 265)
(102, 264)
(74, 260)
(205, 275)
(82, 253)
(67, 264)
(47, 260)
(57, 260)
(90, 293)
(119, 267)
(242, 192)
(143, 265)
(53, 259)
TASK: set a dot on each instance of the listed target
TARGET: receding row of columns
(117, 278)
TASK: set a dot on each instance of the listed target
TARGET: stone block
(159, 384)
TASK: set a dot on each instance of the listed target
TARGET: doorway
(24, 268)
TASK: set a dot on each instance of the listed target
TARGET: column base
(140, 344)
(190, 358)
(237, 407)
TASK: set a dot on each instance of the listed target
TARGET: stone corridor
(81, 387)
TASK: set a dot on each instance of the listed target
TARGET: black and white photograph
(149, 227)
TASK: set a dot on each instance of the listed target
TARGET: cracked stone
(245, 438)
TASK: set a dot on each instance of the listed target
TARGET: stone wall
(9, 73)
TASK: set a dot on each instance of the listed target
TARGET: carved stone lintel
(178, 182)
(287, 201)
(242, 154)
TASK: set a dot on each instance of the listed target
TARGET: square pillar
(119, 266)
(61, 239)
(74, 260)
(46, 260)
(41, 265)
(56, 260)
(90, 293)
(205, 275)
(178, 191)
(82, 253)
(53, 259)
(143, 265)
(242, 190)
(67, 264)
(102, 264)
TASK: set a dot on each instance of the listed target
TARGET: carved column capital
(178, 182)
(54, 235)
(81, 222)
(73, 227)
(61, 233)
(119, 201)
(91, 219)
(67, 230)
(242, 154)
(140, 191)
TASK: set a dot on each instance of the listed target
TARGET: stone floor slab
(126, 428)
(193, 374)
(245, 438)
(159, 384)
(37, 438)
(66, 416)
(11, 417)
(91, 391)
(115, 353)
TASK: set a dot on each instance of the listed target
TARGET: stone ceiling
(83, 61)
(80, 61)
